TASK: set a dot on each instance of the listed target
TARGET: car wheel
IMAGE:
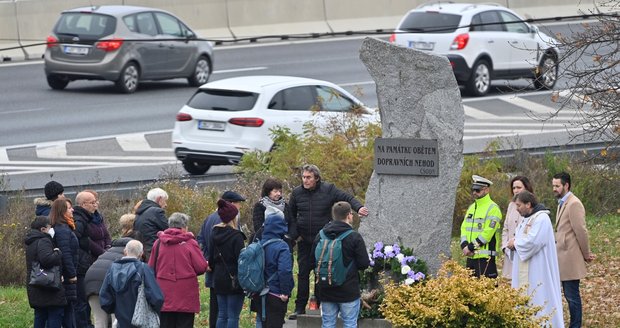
(480, 80)
(201, 74)
(547, 72)
(57, 82)
(195, 168)
(128, 81)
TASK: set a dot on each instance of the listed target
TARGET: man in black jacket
(151, 218)
(343, 299)
(310, 208)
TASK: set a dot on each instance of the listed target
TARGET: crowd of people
(150, 273)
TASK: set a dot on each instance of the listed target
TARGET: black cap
(53, 189)
(232, 196)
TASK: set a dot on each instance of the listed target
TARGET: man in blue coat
(119, 291)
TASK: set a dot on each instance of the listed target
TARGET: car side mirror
(191, 35)
(534, 29)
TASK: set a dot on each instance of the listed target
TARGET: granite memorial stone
(418, 99)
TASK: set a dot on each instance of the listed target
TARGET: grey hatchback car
(126, 45)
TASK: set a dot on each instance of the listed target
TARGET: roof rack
(474, 5)
(431, 3)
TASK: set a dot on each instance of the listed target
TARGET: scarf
(97, 218)
(279, 204)
(70, 222)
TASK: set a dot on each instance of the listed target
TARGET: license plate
(71, 50)
(421, 45)
(211, 125)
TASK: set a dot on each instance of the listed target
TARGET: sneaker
(294, 315)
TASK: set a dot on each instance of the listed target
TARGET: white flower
(388, 249)
(405, 269)
(409, 281)
(400, 257)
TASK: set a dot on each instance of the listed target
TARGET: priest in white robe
(535, 261)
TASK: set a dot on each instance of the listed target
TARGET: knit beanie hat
(53, 189)
(226, 210)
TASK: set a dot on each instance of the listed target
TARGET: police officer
(480, 230)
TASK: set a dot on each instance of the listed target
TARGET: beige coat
(513, 218)
(571, 236)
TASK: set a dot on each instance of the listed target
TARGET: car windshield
(86, 24)
(229, 100)
(430, 22)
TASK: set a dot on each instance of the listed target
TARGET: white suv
(483, 42)
(227, 118)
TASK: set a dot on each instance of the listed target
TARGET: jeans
(52, 316)
(573, 298)
(348, 312)
(229, 309)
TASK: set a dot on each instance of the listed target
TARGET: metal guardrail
(130, 189)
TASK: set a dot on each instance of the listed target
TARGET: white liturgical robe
(535, 264)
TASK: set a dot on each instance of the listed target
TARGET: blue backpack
(330, 269)
(251, 271)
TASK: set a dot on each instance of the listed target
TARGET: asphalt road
(89, 131)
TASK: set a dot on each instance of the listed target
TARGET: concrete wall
(25, 22)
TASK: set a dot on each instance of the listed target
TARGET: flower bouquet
(388, 264)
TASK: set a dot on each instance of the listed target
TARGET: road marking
(529, 105)
(133, 142)
(478, 114)
(239, 70)
(4, 157)
(52, 151)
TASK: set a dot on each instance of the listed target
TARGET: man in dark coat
(48, 304)
(343, 299)
(310, 208)
(151, 218)
(95, 276)
(83, 215)
(119, 291)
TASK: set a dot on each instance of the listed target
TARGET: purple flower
(396, 249)
(377, 254)
(372, 263)
(378, 246)
(419, 276)
(410, 259)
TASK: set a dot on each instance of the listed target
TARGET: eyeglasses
(92, 203)
(476, 190)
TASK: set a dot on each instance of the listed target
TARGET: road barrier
(27, 22)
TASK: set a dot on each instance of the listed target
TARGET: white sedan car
(227, 118)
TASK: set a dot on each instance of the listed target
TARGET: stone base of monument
(312, 319)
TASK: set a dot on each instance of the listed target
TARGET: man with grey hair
(151, 218)
(177, 262)
(310, 209)
(119, 291)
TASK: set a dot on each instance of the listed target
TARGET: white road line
(478, 114)
(97, 138)
(517, 134)
(528, 105)
(52, 151)
(356, 83)
(133, 142)
(239, 70)
(509, 124)
(81, 168)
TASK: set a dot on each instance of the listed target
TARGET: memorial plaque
(406, 156)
